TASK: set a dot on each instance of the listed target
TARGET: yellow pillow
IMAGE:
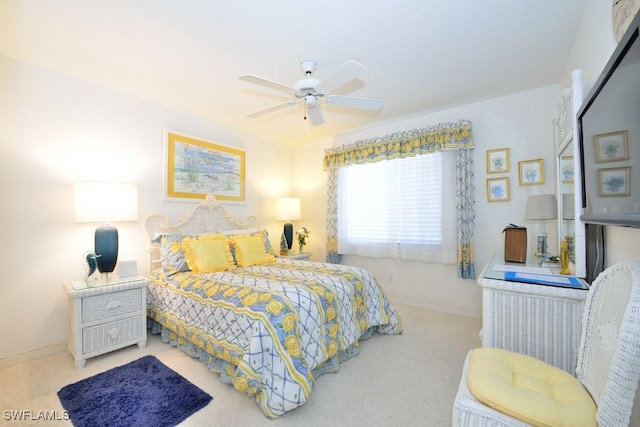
(250, 250)
(208, 253)
(529, 389)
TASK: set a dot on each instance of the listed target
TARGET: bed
(267, 325)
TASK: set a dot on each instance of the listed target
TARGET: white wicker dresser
(106, 317)
(538, 320)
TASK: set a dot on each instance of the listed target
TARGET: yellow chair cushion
(208, 253)
(528, 389)
(250, 250)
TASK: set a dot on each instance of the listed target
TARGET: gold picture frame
(567, 169)
(531, 172)
(195, 167)
(498, 189)
(498, 160)
(614, 182)
(611, 147)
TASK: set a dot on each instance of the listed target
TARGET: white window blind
(396, 208)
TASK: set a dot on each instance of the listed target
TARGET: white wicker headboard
(208, 216)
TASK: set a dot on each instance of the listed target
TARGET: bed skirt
(226, 370)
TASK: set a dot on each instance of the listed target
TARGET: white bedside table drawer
(111, 334)
(108, 305)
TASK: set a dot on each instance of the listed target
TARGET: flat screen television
(609, 139)
(608, 128)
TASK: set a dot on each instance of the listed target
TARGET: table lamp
(106, 202)
(568, 210)
(568, 214)
(541, 207)
(288, 209)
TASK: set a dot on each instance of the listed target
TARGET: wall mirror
(566, 197)
(570, 227)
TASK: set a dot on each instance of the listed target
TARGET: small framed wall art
(531, 172)
(498, 160)
(498, 189)
(567, 168)
(613, 182)
(611, 147)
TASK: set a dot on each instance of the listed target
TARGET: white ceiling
(422, 55)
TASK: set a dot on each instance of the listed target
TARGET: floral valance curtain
(445, 136)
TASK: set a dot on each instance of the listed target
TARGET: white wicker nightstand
(538, 320)
(106, 317)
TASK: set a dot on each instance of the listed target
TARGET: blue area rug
(144, 392)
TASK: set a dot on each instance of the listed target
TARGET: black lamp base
(106, 248)
(288, 233)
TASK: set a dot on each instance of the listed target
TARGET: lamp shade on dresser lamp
(568, 215)
(568, 211)
(288, 209)
(541, 207)
(106, 202)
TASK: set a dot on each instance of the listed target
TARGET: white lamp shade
(288, 209)
(97, 201)
(568, 210)
(542, 206)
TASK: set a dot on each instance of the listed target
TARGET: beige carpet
(405, 380)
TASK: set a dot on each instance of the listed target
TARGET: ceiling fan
(310, 91)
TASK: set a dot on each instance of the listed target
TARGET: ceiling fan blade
(264, 82)
(315, 115)
(271, 109)
(349, 71)
(355, 102)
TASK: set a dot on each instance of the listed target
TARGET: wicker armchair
(608, 356)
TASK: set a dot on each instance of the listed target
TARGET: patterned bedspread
(269, 328)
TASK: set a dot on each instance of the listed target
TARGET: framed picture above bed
(194, 168)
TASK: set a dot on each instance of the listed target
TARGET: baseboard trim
(32, 355)
(444, 309)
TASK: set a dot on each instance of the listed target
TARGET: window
(397, 208)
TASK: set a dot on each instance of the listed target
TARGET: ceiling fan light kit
(310, 101)
(311, 91)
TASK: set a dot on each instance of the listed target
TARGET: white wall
(55, 130)
(522, 122)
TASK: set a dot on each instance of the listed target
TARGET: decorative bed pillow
(251, 232)
(249, 249)
(208, 253)
(172, 254)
